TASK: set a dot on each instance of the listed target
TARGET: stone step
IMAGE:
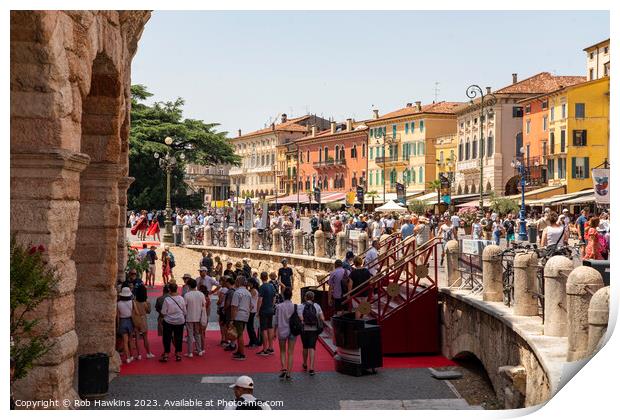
(422, 404)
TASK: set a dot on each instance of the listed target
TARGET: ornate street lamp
(520, 166)
(168, 163)
(486, 100)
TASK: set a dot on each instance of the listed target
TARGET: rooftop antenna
(436, 91)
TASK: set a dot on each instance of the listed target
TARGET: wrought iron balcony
(391, 160)
(330, 163)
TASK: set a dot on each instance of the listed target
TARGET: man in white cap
(244, 396)
(207, 281)
(566, 217)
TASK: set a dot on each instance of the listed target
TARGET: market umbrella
(391, 206)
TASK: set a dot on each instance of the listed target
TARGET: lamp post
(486, 100)
(520, 166)
(168, 163)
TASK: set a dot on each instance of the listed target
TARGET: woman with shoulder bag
(555, 235)
(141, 308)
(312, 319)
(124, 309)
(174, 312)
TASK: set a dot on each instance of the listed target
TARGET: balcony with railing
(390, 161)
(330, 163)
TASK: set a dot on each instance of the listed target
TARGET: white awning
(391, 206)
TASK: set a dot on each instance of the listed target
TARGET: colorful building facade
(445, 156)
(578, 133)
(332, 160)
(401, 146)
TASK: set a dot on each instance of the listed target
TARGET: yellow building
(578, 133)
(445, 155)
(401, 146)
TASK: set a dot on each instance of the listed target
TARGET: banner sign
(317, 195)
(400, 193)
(360, 194)
(247, 214)
(600, 177)
(350, 198)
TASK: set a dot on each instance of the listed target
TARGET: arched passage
(96, 250)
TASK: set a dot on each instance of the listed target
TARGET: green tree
(503, 205)
(372, 194)
(150, 125)
(436, 185)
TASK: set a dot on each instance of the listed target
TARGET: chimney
(349, 124)
(488, 90)
(409, 104)
(239, 133)
(375, 113)
(273, 126)
(418, 105)
(283, 118)
(514, 78)
(332, 126)
(313, 131)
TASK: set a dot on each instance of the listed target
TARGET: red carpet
(138, 245)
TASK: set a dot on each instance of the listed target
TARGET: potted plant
(467, 215)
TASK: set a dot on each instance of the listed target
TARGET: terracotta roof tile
(289, 125)
(540, 83)
(435, 108)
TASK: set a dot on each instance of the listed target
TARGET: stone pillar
(230, 237)
(598, 318)
(208, 236)
(254, 239)
(582, 283)
(45, 193)
(525, 284)
(492, 283)
(556, 317)
(186, 236)
(123, 184)
(452, 263)
(276, 245)
(298, 241)
(362, 243)
(341, 245)
(319, 243)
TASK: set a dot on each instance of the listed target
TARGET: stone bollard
(598, 317)
(319, 243)
(452, 263)
(230, 237)
(492, 284)
(298, 241)
(341, 245)
(186, 237)
(362, 243)
(582, 283)
(254, 238)
(208, 236)
(556, 317)
(276, 245)
(525, 284)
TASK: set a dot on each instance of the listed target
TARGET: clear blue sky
(242, 69)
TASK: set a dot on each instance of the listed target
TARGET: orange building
(536, 130)
(333, 160)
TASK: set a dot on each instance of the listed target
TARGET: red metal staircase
(402, 298)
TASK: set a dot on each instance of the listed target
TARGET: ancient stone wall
(467, 328)
(70, 101)
(307, 270)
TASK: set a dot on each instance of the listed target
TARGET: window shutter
(572, 169)
(574, 137)
(584, 137)
(586, 166)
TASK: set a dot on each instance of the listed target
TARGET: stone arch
(96, 242)
(512, 186)
(489, 187)
(459, 190)
(473, 188)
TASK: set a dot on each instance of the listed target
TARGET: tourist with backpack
(288, 326)
(266, 306)
(312, 320)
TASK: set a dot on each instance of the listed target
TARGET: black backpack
(242, 404)
(294, 323)
(309, 315)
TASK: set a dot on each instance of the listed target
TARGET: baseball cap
(243, 382)
(565, 211)
(203, 268)
(284, 261)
